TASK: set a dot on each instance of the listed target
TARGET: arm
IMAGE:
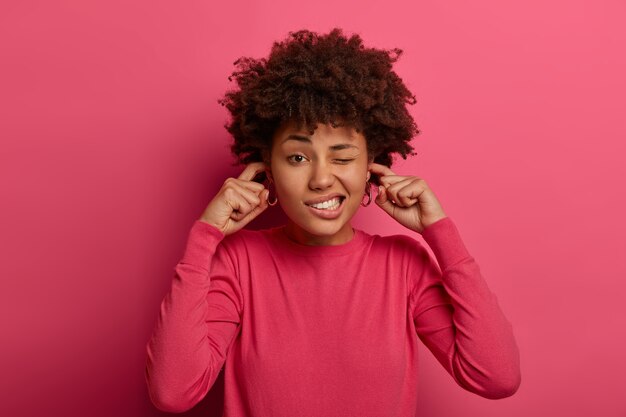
(458, 318)
(197, 322)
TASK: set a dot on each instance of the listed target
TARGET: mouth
(330, 209)
(330, 204)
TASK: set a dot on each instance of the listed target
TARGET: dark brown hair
(311, 78)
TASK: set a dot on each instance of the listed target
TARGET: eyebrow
(306, 139)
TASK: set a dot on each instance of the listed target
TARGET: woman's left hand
(408, 199)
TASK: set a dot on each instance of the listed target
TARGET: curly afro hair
(311, 78)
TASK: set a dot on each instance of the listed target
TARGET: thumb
(383, 201)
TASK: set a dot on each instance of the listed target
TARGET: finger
(256, 210)
(404, 193)
(251, 170)
(265, 197)
(246, 216)
(383, 201)
(380, 169)
(388, 180)
(235, 199)
(252, 197)
(250, 185)
(408, 196)
(241, 213)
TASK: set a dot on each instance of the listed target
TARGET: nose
(322, 176)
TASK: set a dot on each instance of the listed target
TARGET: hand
(238, 201)
(408, 199)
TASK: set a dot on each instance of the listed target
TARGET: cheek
(354, 179)
(287, 186)
(284, 192)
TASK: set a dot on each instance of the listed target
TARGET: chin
(321, 228)
(326, 231)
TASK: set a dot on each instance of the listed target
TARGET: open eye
(296, 158)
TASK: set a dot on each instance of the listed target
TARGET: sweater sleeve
(458, 318)
(198, 320)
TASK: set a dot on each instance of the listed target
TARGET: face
(320, 181)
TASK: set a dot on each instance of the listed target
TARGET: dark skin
(407, 199)
(238, 202)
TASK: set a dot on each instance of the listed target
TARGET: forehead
(290, 133)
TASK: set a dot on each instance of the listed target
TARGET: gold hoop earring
(368, 190)
(271, 203)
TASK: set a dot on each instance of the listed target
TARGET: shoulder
(246, 238)
(398, 243)
(406, 252)
(245, 241)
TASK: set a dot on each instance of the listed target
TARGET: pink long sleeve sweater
(325, 330)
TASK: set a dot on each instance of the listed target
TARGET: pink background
(112, 144)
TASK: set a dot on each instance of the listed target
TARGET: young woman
(316, 317)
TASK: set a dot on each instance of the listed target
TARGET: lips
(328, 207)
(325, 198)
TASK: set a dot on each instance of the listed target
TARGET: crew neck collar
(280, 235)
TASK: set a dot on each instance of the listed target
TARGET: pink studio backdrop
(112, 143)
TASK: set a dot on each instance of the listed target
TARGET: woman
(317, 318)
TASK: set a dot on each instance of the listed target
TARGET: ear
(370, 161)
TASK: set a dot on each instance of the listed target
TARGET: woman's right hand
(238, 201)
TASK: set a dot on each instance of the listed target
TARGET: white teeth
(330, 204)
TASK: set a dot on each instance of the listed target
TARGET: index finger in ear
(381, 169)
(392, 179)
(251, 170)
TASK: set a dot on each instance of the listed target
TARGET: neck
(299, 235)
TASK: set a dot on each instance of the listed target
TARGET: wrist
(209, 222)
(433, 221)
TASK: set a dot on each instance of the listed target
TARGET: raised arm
(197, 322)
(458, 318)
(200, 315)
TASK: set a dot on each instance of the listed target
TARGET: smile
(329, 209)
(331, 204)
